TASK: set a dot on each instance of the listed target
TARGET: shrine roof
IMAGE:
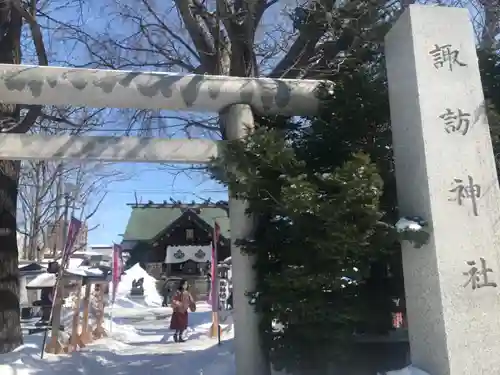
(148, 220)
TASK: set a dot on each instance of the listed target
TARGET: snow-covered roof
(31, 267)
(87, 253)
(47, 280)
(44, 280)
(85, 271)
(73, 262)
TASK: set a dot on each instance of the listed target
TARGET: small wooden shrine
(27, 272)
(94, 282)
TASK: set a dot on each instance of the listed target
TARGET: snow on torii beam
(24, 84)
(32, 85)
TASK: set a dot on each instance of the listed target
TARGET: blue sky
(149, 182)
(146, 181)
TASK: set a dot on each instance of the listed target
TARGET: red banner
(74, 228)
(117, 269)
(214, 287)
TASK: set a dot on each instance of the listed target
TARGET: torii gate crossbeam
(110, 149)
(25, 84)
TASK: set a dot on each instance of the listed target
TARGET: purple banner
(74, 228)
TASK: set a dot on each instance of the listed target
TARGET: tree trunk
(10, 328)
(10, 53)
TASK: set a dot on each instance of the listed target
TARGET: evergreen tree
(317, 196)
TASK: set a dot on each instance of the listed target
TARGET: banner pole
(214, 292)
(218, 311)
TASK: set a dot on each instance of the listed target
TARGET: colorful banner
(74, 228)
(117, 269)
(214, 286)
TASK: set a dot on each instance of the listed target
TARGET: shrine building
(175, 239)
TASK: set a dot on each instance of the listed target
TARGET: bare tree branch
(192, 12)
(34, 111)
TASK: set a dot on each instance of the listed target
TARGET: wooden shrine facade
(175, 239)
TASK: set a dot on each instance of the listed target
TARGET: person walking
(182, 301)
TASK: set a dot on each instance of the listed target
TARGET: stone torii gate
(232, 96)
(445, 171)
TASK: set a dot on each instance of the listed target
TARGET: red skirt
(179, 321)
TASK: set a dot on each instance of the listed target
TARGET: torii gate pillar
(238, 121)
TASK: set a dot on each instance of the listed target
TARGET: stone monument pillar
(446, 174)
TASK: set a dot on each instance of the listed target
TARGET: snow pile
(151, 296)
(44, 280)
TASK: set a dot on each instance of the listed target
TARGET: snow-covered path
(140, 343)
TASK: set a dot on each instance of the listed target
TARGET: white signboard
(180, 254)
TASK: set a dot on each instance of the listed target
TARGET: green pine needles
(317, 222)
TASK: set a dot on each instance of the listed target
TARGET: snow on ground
(139, 342)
